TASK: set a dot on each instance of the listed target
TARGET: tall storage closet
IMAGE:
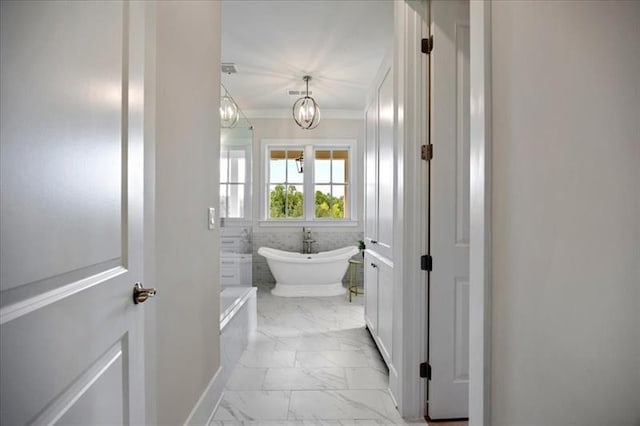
(379, 211)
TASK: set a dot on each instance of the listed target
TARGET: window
(309, 181)
(331, 180)
(233, 182)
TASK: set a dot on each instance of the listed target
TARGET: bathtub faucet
(306, 240)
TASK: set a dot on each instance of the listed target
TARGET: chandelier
(229, 113)
(306, 111)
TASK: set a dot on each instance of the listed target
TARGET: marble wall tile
(236, 335)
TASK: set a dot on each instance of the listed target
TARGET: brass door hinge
(427, 45)
(427, 152)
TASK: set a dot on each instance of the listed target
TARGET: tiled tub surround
(292, 241)
(311, 362)
(238, 321)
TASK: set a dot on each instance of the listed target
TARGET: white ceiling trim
(339, 114)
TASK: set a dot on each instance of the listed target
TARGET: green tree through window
(329, 206)
(286, 203)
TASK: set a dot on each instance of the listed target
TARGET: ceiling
(275, 43)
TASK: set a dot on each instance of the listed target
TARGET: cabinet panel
(385, 308)
(371, 294)
(385, 178)
(371, 167)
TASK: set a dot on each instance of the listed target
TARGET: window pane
(295, 201)
(323, 200)
(340, 166)
(322, 167)
(277, 201)
(293, 176)
(347, 202)
(339, 205)
(237, 168)
(236, 201)
(223, 165)
(277, 164)
(223, 200)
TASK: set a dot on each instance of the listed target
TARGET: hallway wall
(566, 213)
(186, 176)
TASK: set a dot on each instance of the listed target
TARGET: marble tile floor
(311, 362)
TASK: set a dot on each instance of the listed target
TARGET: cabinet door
(385, 167)
(371, 294)
(371, 168)
(385, 308)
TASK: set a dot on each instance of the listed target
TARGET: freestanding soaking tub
(318, 274)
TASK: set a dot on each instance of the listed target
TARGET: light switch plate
(212, 218)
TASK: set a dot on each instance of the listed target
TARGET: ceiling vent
(298, 92)
(229, 68)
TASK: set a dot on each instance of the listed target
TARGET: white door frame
(480, 215)
(410, 234)
(411, 396)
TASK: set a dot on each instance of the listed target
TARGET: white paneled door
(449, 281)
(71, 212)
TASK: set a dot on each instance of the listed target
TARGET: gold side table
(353, 278)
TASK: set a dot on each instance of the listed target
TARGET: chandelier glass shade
(306, 111)
(229, 112)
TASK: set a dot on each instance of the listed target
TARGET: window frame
(309, 146)
(246, 218)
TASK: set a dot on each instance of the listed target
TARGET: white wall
(186, 176)
(566, 213)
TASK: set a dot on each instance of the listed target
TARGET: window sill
(309, 223)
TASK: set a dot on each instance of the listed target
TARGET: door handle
(141, 294)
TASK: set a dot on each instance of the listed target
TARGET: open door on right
(449, 221)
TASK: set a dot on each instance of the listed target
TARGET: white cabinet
(379, 211)
(385, 309)
(370, 294)
(235, 269)
(371, 173)
(379, 294)
(235, 256)
(379, 163)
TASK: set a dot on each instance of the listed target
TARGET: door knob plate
(141, 294)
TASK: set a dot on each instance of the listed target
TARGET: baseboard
(455, 420)
(202, 412)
